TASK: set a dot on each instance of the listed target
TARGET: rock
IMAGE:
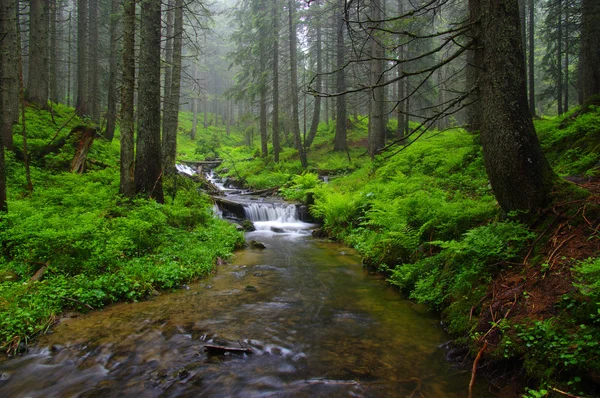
(250, 288)
(4, 376)
(277, 230)
(257, 245)
(248, 226)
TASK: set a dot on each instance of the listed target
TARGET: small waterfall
(271, 212)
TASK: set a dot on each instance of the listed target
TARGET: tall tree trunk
(9, 90)
(318, 81)
(567, 49)
(519, 174)
(590, 48)
(53, 71)
(531, 63)
(127, 187)
(264, 149)
(69, 95)
(260, 9)
(148, 164)
(170, 134)
(294, 83)
(376, 99)
(400, 106)
(341, 122)
(37, 81)
(276, 143)
(111, 115)
(82, 58)
(474, 65)
(195, 101)
(559, 59)
(168, 66)
(93, 62)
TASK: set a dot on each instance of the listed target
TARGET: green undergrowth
(95, 246)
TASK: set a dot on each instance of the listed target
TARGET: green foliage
(571, 142)
(300, 186)
(98, 247)
(461, 266)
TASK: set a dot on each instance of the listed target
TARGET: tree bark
(168, 66)
(519, 174)
(341, 122)
(195, 101)
(559, 63)
(111, 115)
(127, 187)
(53, 71)
(590, 48)
(531, 63)
(93, 62)
(82, 57)
(318, 80)
(148, 162)
(259, 18)
(474, 65)
(172, 106)
(5, 20)
(294, 83)
(37, 81)
(376, 99)
(9, 88)
(275, 117)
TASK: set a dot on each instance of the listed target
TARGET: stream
(317, 322)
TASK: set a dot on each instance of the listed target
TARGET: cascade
(283, 213)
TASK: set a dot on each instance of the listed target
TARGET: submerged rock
(257, 245)
(248, 226)
(277, 230)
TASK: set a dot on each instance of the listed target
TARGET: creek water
(318, 325)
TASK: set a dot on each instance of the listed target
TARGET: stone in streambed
(257, 245)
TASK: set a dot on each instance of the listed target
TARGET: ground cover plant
(75, 244)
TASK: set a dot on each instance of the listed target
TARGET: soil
(528, 291)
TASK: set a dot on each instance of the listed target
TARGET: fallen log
(221, 350)
(85, 141)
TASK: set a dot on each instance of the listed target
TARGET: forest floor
(525, 293)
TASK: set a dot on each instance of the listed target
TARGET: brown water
(317, 322)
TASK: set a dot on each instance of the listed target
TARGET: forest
(453, 144)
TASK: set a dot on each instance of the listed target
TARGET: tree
(298, 142)
(9, 89)
(168, 65)
(127, 187)
(37, 82)
(590, 48)
(519, 173)
(341, 123)
(148, 164)
(111, 115)
(318, 79)
(474, 65)
(377, 98)
(531, 58)
(93, 62)
(276, 144)
(171, 108)
(82, 57)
